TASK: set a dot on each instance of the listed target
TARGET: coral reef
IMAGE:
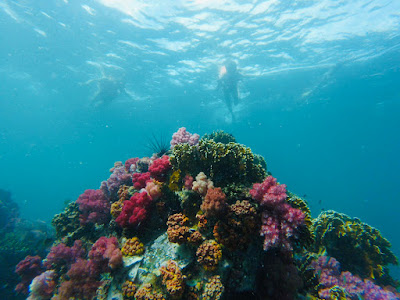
(225, 163)
(237, 230)
(232, 232)
(118, 177)
(360, 248)
(328, 270)
(130, 164)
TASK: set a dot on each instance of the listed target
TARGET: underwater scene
(199, 149)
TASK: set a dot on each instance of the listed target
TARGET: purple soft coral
(95, 207)
(330, 276)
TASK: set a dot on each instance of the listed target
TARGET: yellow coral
(209, 254)
(146, 292)
(173, 279)
(132, 247)
(128, 289)
(174, 181)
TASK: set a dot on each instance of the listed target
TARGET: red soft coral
(139, 180)
(134, 210)
(159, 168)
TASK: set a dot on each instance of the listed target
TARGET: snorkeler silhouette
(228, 81)
(108, 89)
(111, 84)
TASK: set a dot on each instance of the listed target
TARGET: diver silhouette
(228, 81)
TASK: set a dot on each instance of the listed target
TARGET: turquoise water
(319, 96)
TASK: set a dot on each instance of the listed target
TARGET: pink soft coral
(269, 192)
(62, 255)
(28, 269)
(153, 190)
(94, 206)
(184, 137)
(279, 220)
(105, 254)
(83, 281)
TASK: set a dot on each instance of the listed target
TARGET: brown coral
(209, 254)
(195, 238)
(132, 247)
(128, 289)
(173, 279)
(177, 231)
(146, 292)
(214, 202)
(202, 224)
(124, 193)
(237, 229)
(213, 289)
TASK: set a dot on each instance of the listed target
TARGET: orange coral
(214, 202)
(146, 292)
(213, 289)
(128, 289)
(177, 231)
(132, 247)
(173, 279)
(209, 254)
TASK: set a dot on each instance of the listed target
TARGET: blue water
(320, 95)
